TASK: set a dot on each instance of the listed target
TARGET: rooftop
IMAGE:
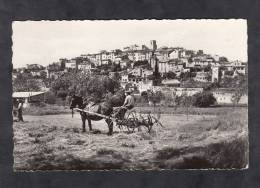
(26, 94)
(169, 82)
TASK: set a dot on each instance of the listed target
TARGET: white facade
(175, 54)
(225, 97)
(71, 64)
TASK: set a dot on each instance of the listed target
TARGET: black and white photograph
(130, 95)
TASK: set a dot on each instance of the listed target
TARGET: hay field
(55, 142)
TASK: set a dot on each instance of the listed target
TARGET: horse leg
(89, 125)
(110, 126)
(83, 118)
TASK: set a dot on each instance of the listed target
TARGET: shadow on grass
(223, 155)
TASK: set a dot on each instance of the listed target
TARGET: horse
(104, 108)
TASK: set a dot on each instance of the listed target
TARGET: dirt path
(56, 142)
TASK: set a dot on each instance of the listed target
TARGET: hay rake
(131, 121)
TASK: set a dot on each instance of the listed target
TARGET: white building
(225, 96)
(202, 77)
(71, 64)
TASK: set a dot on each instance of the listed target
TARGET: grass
(218, 110)
(46, 110)
(222, 155)
(228, 153)
(57, 143)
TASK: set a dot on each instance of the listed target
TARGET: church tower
(153, 45)
(215, 74)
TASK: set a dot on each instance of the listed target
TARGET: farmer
(15, 106)
(129, 100)
(128, 105)
(20, 110)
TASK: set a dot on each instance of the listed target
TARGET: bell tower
(215, 74)
(153, 45)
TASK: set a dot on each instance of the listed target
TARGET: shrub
(50, 97)
(203, 99)
(62, 94)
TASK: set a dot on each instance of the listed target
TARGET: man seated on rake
(128, 105)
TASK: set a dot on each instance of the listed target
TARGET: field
(206, 138)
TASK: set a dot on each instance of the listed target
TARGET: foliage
(203, 99)
(62, 94)
(184, 100)
(85, 85)
(155, 97)
(234, 82)
(207, 68)
(170, 75)
(190, 83)
(184, 76)
(140, 63)
(156, 77)
(115, 67)
(25, 82)
(240, 90)
(50, 97)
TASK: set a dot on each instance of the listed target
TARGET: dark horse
(104, 108)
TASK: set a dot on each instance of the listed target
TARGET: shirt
(20, 106)
(129, 101)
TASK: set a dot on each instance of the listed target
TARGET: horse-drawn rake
(132, 121)
(135, 121)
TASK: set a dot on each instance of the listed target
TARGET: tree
(50, 97)
(203, 99)
(43, 74)
(184, 76)
(187, 102)
(170, 75)
(156, 74)
(62, 94)
(88, 86)
(115, 67)
(240, 89)
(155, 97)
(25, 82)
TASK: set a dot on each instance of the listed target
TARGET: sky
(44, 42)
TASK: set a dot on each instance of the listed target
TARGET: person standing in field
(20, 110)
(15, 107)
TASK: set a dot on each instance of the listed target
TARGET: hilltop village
(149, 67)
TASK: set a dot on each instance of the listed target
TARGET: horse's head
(76, 101)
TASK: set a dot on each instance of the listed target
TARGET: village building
(226, 96)
(71, 64)
(175, 54)
(145, 85)
(171, 83)
(202, 77)
(215, 76)
(153, 45)
(178, 91)
(202, 61)
(141, 72)
(86, 66)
